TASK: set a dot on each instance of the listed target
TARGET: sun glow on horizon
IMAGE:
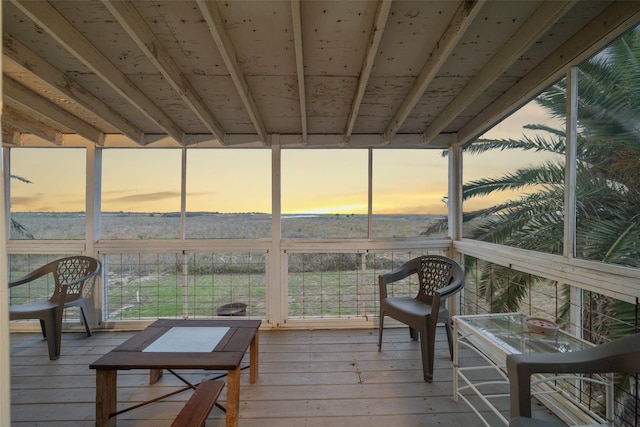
(348, 209)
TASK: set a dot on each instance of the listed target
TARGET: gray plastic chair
(439, 277)
(619, 356)
(72, 276)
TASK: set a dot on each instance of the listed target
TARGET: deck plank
(315, 378)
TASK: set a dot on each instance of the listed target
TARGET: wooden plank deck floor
(307, 378)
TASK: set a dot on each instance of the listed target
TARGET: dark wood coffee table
(180, 344)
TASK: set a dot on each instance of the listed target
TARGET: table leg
(233, 397)
(455, 360)
(106, 397)
(254, 365)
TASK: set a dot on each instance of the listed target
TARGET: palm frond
(550, 144)
(546, 174)
(19, 230)
(613, 239)
(21, 179)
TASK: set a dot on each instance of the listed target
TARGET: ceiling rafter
(297, 42)
(135, 25)
(49, 19)
(344, 43)
(211, 14)
(382, 13)
(538, 23)
(41, 106)
(10, 135)
(29, 61)
(623, 14)
(459, 24)
(23, 123)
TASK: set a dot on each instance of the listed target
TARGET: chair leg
(380, 327)
(44, 329)
(413, 333)
(84, 320)
(53, 342)
(426, 348)
(447, 328)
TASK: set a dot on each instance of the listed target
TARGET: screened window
(324, 193)
(409, 189)
(177, 285)
(228, 193)
(608, 177)
(141, 193)
(329, 285)
(47, 188)
(514, 177)
(339, 284)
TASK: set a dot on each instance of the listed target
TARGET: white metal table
(493, 337)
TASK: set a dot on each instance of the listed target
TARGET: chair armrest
(50, 269)
(35, 274)
(451, 289)
(399, 273)
(622, 355)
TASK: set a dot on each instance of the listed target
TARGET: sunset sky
(239, 180)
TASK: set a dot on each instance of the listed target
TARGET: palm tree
(16, 227)
(607, 194)
(608, 180)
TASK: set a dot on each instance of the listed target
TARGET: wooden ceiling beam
(382, 13)
(297, 42)
(26, 124)
(30, 62)
(459, 24)
(135, 25)
(538, 24)
(211, 14)
(56, 114)
(49, 19)
(10, 135)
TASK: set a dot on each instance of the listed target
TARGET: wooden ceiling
(293, 72)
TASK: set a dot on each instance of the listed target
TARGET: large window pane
(228, 193)
(514, 177)
(47, 188)
(409, 188)
(141, 193)
(324, 193)
(608, 166)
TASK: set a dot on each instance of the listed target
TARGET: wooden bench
(197, 408)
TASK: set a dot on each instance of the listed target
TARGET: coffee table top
(184, 344)
(509, 332)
